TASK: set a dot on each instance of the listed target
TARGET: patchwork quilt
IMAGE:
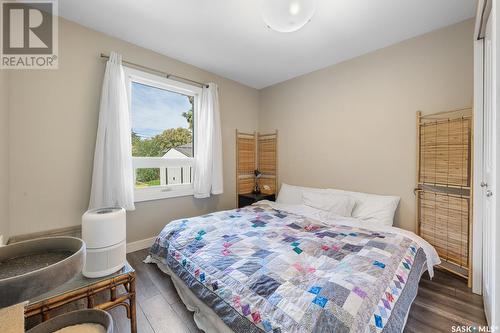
(266, 270)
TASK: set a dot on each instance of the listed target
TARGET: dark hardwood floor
(443, 302)
(159, 308)
(440, 303)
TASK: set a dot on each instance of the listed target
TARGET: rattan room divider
(256, 151)
(444, 186)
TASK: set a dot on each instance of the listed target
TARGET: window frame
(156, 81)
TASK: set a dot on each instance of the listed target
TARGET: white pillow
(337, 204)
(371, 207)
(292, 195)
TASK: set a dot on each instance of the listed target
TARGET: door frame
(477, 197)
(486, 9)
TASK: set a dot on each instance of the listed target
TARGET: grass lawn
(154, 182)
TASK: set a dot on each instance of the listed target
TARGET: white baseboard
(140, 244)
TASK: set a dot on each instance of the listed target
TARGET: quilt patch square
(315, 290)
(258, 223)
(376, 244)
(311, 315)
(330, 234)
(321, 301)
(261, 253)
(267, 326)
(352, 248)
(297, 301)
(274, 299)
(249, 268)
(265, 286)
(335, 292)
(290, 239)
(352, 303)
(224, 262)
(245, 309)
(359, 292)
(337, 255)
(256, 317)
(231, 238)
(277, 265)
(327, 322)
(295, 226)
(193, 247)
(238, 276)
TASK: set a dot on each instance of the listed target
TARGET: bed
(291, 267)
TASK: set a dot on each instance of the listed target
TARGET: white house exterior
(177, 175)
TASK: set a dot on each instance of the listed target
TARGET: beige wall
(352, 125)
(4, 155)
(348, 126)
(53, 124)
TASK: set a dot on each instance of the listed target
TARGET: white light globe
(287, 15)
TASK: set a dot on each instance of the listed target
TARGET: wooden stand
(88, 291)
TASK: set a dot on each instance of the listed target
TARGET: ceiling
(229, 38)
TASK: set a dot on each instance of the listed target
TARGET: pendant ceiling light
(287, 15)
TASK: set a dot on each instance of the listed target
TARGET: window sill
(162, 192)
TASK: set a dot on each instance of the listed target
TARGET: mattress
(267, 268)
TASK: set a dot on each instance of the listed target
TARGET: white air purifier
(104, 233)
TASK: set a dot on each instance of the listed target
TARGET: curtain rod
(157, 72)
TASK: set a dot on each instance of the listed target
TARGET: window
(162, 119)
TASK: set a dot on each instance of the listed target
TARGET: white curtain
(112, 179)
(208, 145)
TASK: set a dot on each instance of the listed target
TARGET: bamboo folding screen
(245, 162)
(444, 152)
(255, 151)
(267, 161)
(444, 174)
